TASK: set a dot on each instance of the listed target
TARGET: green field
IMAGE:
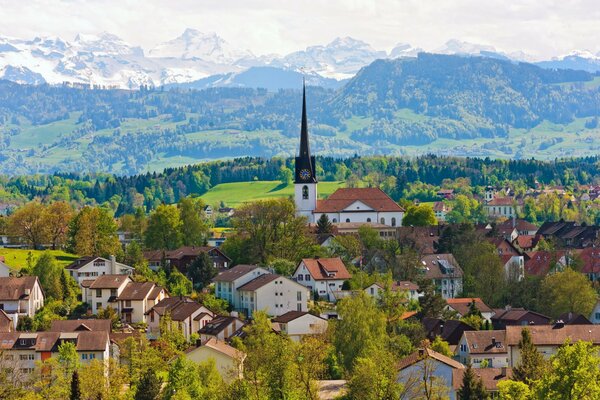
(234, 194)
(17, 258)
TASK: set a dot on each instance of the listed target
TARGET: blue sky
(543, 28)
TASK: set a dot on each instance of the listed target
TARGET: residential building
(322, 276)
(517, 317)
(542, 262)
(185, 314)
(490, 377)
(445, 272)
(514, 267)
(137, 298)
(410, 288)
(20, 296)
(523, 228)
(104, 291)
(88, 268)
(441, 210)
(595, 316)
(227, 282)
(385, 232)
(483, 349)
(228, 360)
(77, 325)
(5, 270)
(569, 234)
(297, 324)
(221, 328)
(450, 330)
(462, 306)
(571, 318)
(274, 294)
(182, 257)
(590, 258)
(6, 322)
(422, 239)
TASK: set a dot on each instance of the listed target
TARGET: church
(346, 205)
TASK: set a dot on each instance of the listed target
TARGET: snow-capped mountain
(455, 46)
(404, 50)
(579, 59)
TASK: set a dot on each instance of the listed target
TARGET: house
(87, 268)
(569, 234)
(208, 210)
(441, 210)
(385, 232)
(6, 322)
(517, 317)
(137, 298)
(462, 306)
(359, 205)
(426, 364)
(445, 272)
(182, 257)
(595, 316)
(503, 246)
(590, 258)
(227, 282)
(483, 349)
(411, 289)
(542, 262)
(322, 276)
(489, 377)
(422, 239)
(228, 360)
(104, 291)
(186, 315)
(514, 267)
(274, 294)
(221, 328)
(523, 228)
(446, 194)
(20, 297)
(297, 324)
(526, 243)
(451, 330)
(548, 338)
(76, 325)
(570, 318)
(5, 270)
(500, 207)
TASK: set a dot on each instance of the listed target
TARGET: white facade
(304, 325)
(28, 305)
(275, 298)
(305, 197)
(97, 298)
(515, 268)
(361, 212)
(595, 317)
(375, 289)
(479, 358)
(5, 270)
(98, 267)
(227, 290)
(325, 288)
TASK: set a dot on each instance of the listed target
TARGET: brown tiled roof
(326, 268)
(526, 241)
(185, 251)
(461, 305)
(422, 354)
(8, 339)
(514, 314)
(168, 303)
(501, 201)
(553, 335)
(590, 258)
(218, 324)
(136, 291)
(489, 376)
(433, 264)
(92, 341)
(538, 263)
(45, 341)
(233, 273)
(72, 325)
(221, 347)
(109, 281)
(405, 285)
(12, 288)
(86, 283)
(6, 323)
(80, 262)
(155, 292)
(519, 224)
(184, 310)
(259, 282)
(290, 316)
(344, 197)
(486, 342)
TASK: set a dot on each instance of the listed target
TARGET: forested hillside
(447, 105)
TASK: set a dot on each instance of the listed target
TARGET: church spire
(304, 145)
(305, 163)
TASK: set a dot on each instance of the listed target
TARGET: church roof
(344, 197)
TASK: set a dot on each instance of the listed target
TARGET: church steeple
(305, 163)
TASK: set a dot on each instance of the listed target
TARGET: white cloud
(545, 28)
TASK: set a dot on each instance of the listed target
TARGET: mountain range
(199, 60)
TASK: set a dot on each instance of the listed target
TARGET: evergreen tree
(201, 271)
(472, 386)
(149, 386)
(75, 390)
(532, 364)
(432, 303)
(324, 225)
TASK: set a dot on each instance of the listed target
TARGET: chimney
(421, 352)
(493, 341)
(113, 265)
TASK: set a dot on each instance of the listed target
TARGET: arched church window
(347, 219)
(368, 219)
(393, 221)
(334, 220)
(382, 221)
(304, 192)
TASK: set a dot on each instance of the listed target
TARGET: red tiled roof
(12, 288)
(526, 241)
(109, 281)
(462, 304)
(539, 262)
(185, 251)
(501, 201)
(326, 268)
(423, 354)
(590, 258)
(344, 197)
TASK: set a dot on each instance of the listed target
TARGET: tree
(309, 364)
(93, 232)
(67, 357)
(149, 386)
(201, 271)
(513, 390)
(286, 176)
(75, 390)
(164, 229)
(471, 387)
(324, 225)
(194, 228)
(532, 365)
(347, 247)
(374, 377)
(574, 373)
(441, 346)
(29, 222)
(57, 217)
(432, 303)
(421, 215)
(568, 291)
(50, 275)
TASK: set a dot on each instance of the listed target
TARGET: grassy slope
(233, 194)
(17, 258)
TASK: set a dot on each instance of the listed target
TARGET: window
(382, 220)
(92, 356)
(307, 277)
(393, 221)
(368, 219)
(98, 292)
(598, 315)
(334, 220)
(299, 307)
(152, 317)
(127, 303)
(299, 296)
(304, 192)
(347, 219)
(300, 277)
(113, 292)
(98, 306)
(84, 356)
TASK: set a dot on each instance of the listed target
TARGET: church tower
(305, 180)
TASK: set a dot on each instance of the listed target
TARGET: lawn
(234, 194)
(17, 258)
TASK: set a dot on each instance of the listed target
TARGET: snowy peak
(404, 50)
(105, 44)
(455, 46)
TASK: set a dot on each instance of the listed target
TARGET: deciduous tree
(194, 226)
(29, 222)
(164, 229)
(419, 215)
(568, 291)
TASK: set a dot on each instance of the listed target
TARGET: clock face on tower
(304, 174)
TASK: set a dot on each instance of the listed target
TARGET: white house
(104, 291)
(221, 328)
(445, 272)
(20, 296)
(462, 306)
(227, 282)
(323, 276)
(595, 316)
(137, 298)
(297, 324)
(411, 289)
(228, 360)
(5, 270)
(514, 266)
(86, 268)
(186, 314)
(274, 294)
(483, 349)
